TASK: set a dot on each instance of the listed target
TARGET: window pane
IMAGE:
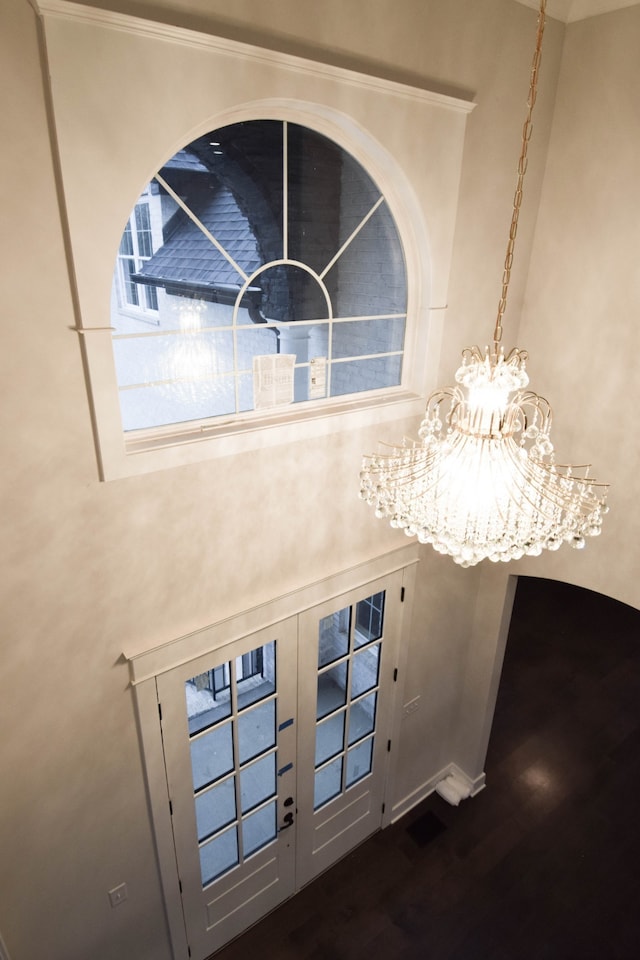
(256, 731)
(183, 357)
(329, 195)
(364, 670)
(219, 855)
(255, 343)
(362, 718)
(332, 690)
(356, 376)
(338, 256)
(245, 392)
(359, 337)
(258, 782)
(328, 783)
(359, 761)
(208, 701)
(211, 755)
(256, 675)
(158, 405)
(258, 829)
(216, 808)
(369, 277)
(333, 636)
(329, 737)
(369, 618)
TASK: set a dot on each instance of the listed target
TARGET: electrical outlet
(411, 706)
(118, 895)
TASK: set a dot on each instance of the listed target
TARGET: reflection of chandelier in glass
(190, 362)
(481, 481)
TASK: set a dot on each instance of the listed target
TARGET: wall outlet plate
(118, 895)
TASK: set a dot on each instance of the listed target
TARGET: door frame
(146, 665)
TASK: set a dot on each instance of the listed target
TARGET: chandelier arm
(522, 169)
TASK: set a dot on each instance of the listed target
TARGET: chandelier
(481, 481)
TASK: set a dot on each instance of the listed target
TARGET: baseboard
(422, 792)
(475, 785)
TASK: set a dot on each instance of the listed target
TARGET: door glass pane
(364, 672)
(359, 761)
(369, 618)
(211, 756)
(258, 829)
(256, 730)
(219, 855)
(362, 718)
(258, 782)
(334, 636)
(328, 783)
(329, 737)
(332, 690)
(256, 675)
(216, 808)
(208, 698)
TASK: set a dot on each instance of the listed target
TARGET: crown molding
(69, 10)
(568, 11)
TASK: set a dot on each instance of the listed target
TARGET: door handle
(288, 821)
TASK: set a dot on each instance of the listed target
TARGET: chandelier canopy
(481, 480)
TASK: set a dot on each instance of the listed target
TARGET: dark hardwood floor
(545, 862)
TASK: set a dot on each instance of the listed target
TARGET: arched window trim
(151, 449)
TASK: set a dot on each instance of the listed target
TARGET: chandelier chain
(522, 169)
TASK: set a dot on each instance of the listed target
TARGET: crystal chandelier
(481, 481)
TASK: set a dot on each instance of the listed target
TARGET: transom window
(273, 272)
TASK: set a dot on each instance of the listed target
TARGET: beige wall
(580, 321)
(91, 569)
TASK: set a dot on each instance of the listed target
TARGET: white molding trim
(421, 792)
(118, 21)
(146, 664)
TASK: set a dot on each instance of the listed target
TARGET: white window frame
(414, 187)
(151, 449)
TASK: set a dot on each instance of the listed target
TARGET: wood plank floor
(545, 862)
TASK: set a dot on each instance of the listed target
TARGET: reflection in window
(257, 239)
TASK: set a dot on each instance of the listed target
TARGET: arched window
(260, 267)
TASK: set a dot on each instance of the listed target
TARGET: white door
(275, 749)
(347, 663)
(228, 729)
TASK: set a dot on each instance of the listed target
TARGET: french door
(228, 730)
(347, 661)
(275, 749)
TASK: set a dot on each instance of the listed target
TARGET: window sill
(147, 451)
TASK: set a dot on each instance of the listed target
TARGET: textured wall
(91, 569)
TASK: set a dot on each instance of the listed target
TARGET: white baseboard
(422, 792)
(475, 785)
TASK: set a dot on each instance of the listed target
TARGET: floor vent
(425, 829)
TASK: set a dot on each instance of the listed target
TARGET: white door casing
(201, 920)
